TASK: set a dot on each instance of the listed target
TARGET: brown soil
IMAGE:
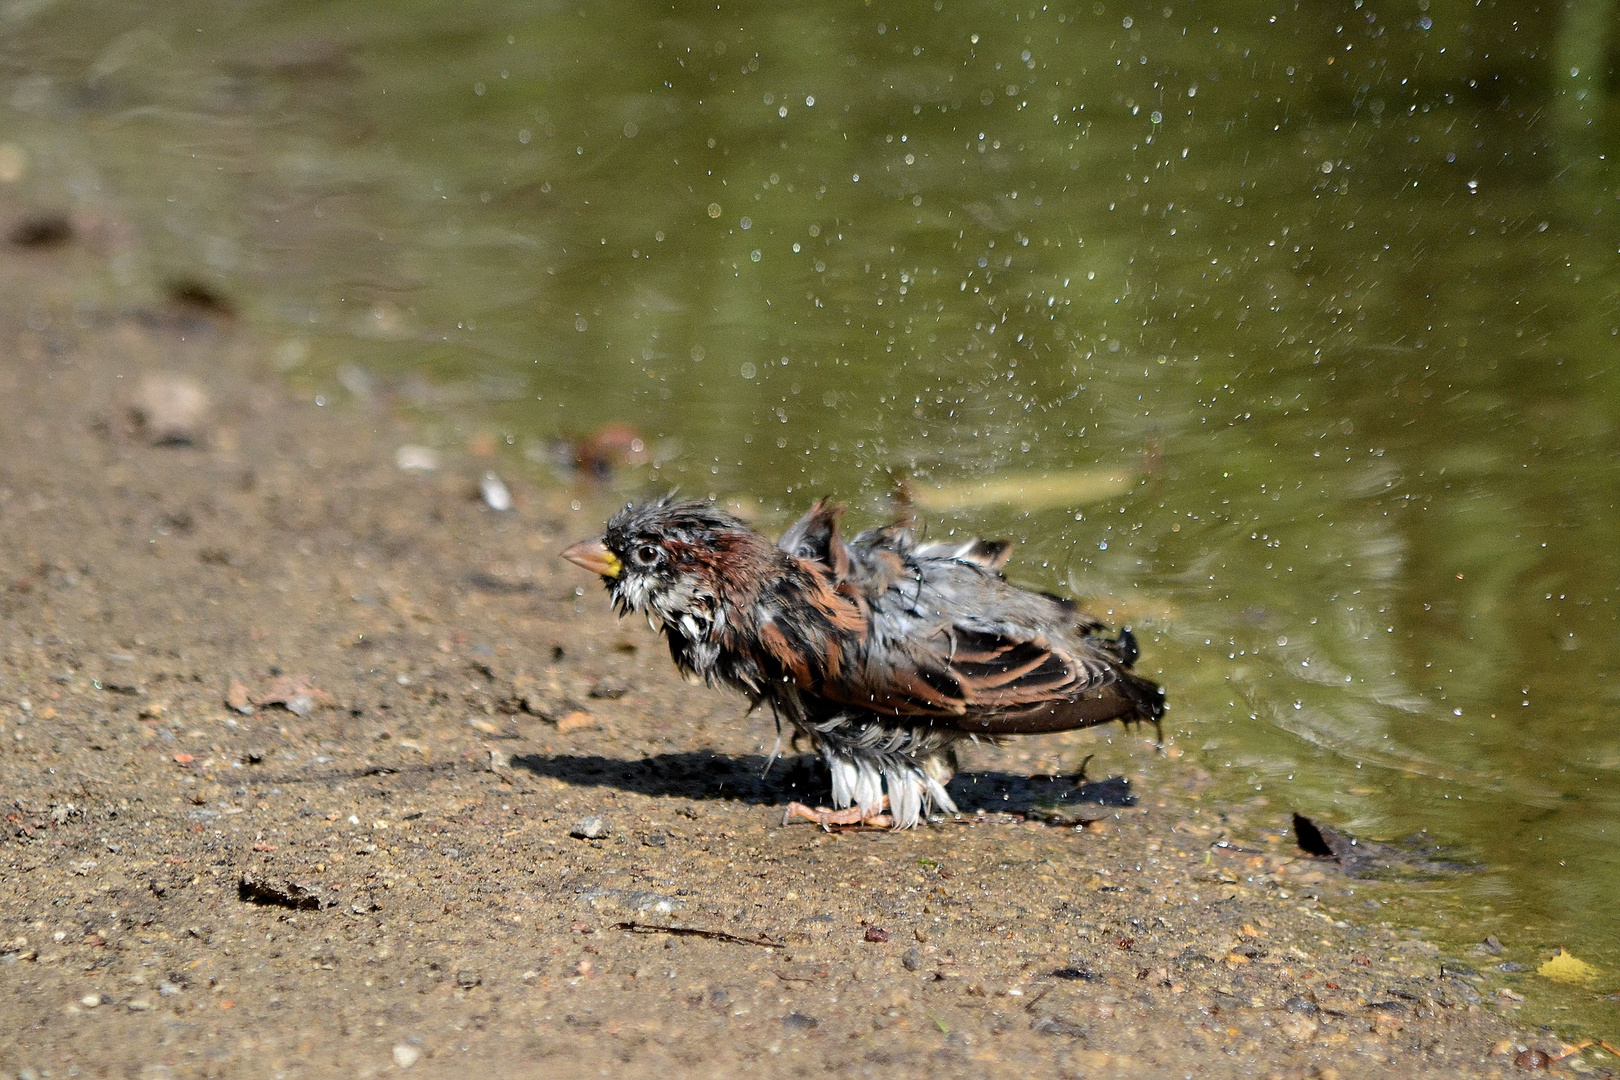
(377, 873)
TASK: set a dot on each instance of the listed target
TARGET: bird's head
(673, 561)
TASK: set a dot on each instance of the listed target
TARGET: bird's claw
(854, 816)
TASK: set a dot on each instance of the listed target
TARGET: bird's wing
(983, 680)
(952, 642)
(815, 539)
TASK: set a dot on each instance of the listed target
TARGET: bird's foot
(854, 816)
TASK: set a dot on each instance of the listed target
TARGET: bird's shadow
(706, 775)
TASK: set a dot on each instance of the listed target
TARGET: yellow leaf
(1565, 968)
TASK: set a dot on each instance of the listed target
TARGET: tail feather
(1127, 697)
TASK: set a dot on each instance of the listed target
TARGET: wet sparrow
(882, 651)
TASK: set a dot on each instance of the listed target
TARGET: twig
(693, 931)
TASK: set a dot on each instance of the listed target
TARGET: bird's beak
(591, 555)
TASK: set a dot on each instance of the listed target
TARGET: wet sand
(378, 873)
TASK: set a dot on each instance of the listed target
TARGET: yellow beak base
(592, 556)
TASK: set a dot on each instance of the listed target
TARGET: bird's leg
(852, 816)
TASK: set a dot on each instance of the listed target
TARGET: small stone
(656, 839)
(590, 828)
(236, 697)
(468, 979)
(406, 1056)
(876, 934)
(295, 694)
(171, 409)
(139, 1005)
(46, 230)
(798, 1021)
(1300, 1029)
(911, 961)
(578, 720)
(631, 900)
(1534, 1059)
(1301, 1005)
(496, 495)
(610, 688)
(90, 1001)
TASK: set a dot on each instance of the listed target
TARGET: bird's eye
(645, 555)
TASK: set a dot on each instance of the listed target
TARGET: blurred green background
(1296, 326)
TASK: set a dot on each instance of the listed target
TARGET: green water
(1334, 288)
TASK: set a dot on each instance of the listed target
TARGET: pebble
(236, 697)
(171, 409)
(406, 1056)
(591, 828)
(638, 900)
(610, 688)
(577, 720)
(495, 492)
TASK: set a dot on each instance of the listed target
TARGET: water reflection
(1316, 289)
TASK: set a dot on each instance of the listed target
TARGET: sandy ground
(378, 873)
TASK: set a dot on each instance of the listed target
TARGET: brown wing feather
(1000, 685)
(1001, 681)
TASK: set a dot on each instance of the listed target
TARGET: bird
(882, 651)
